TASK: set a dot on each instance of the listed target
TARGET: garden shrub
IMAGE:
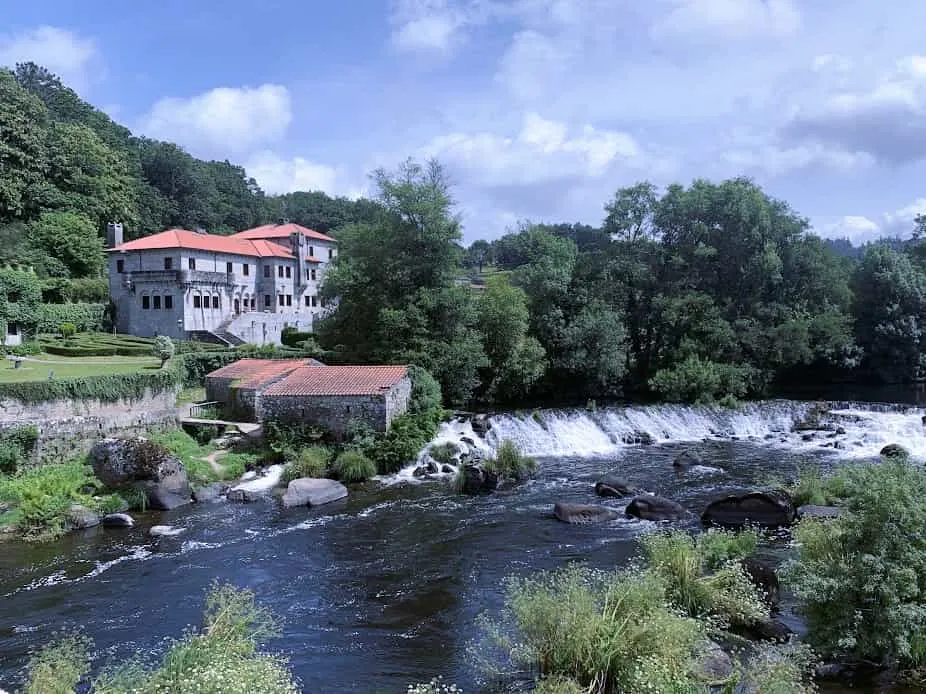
(26, 349)
(105, 387)
(291, 337)
(353, 466)
(67, 330)
(861, 577)
(163, 349)
(311, 461)
(85, 317)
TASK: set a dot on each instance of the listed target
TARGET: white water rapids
(849, 430)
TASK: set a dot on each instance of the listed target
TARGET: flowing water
(383, 589)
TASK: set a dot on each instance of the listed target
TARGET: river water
(384, 588)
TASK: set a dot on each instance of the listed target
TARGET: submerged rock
(80, 517)
(243, 496)
(814, 511)
(641, 438)
(446, 469)
(310, 491)
(118, 520)
(655, 508)
(614, 487)
(430, 468)
(481, 425)
(583, 514)
(687, 459)
(145, 465)
(771, 509)
(477, 480)
(894, 450)
(165, 531)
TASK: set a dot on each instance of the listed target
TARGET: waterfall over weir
(846, 429)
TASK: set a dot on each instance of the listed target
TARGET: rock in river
(477, 480)
(243, 496)
(165, 530)
(209, 493)
(80, 517)
(145, 465)
(309, 491)
(687, 459)
(615, 487)
(655, 508)
(583, 514)
(894, 450)
(770, 509)
(118, 520)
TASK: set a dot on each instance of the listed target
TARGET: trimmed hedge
(98, 351)
(105, 388)
(87, 317)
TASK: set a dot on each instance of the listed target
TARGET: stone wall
(68, 428)
(397, 400)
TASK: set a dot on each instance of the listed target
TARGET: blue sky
(539, 109)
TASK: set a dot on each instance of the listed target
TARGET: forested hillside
(66, 169)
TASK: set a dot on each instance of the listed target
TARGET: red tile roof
(338, 380)
(277, 231)
(254, 373)
(181, 238)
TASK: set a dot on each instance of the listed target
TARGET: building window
(216, 303)
(289, 272)
(280, 300)
(289, 299)
(314, 276)
(12, 329)
(307, 303)
(191, 263)
(197, 301)
(279, 270)
(168, 302)
(254, 302)
(246, 269)
(229, 268)
(120, 266)
(330, 253)
(168, 263)
(146, 302)
(266, 271)
(314, 301)
(311, 250)
(157, 303)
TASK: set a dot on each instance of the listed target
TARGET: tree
(23, 120)
(72, 240)
(163, 349)
(67, 330)
(478, 254)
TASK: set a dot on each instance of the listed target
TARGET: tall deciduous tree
(23, 120)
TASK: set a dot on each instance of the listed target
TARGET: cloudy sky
(539, 109)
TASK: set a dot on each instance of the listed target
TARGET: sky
(538, 109)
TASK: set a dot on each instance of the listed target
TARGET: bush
(221, 657)
(16, 446)
(310, 462)
(291, 337)
(163, 349)
(67, 330)
(85, 317)
(785, 669)
(59, 666)
(702, 381)
(444, 453)
(106, 387)
(351, 466)
(408, 434)
(509, 463)
(26, 349)
(862, 576)
(426, 392)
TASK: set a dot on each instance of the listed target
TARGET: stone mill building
(243, 288)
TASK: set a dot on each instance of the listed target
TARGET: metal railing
(205, 410)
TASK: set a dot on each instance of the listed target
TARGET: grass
(509, 463)
(193, 456)
(352, 466)
(444, 453)
(73, 367)
(311, 461)
(191, 395)
(222, 656)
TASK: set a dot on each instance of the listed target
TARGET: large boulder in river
(210, 493)
(687, 459)
(145, 465)
(614, 487)
(243, 496)
(655, 508)
(310, 491)
(894, 450)
(476, 479)
(118, 520)
(583, 514)
(770, 509)
(80, 517)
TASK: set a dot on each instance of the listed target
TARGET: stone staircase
(219, 336)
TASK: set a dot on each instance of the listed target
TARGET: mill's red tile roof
(338, 380)
(278, 231)
(181, 238)
(254, 373)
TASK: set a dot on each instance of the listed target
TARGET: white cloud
(542, 150)
(276, 174)
(728, 19)
(224, 121)
(773, 159)
(436, 26)
(65, 53)
(860, 229)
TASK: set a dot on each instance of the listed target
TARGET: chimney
(200, 230)
(114, 235)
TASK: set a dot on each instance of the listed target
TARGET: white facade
(183, 291)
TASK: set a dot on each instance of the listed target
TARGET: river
(384, 588)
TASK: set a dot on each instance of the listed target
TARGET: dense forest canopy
(700, 292)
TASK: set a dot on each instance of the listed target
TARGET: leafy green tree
(23, 120)
(72, 239)
(163, 349)
(321, 212)
(478, 254)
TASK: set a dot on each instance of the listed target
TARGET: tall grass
(58, 668)
(353, 466)
(311, 461)
(509, 463)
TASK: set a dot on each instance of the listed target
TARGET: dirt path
(213, 460)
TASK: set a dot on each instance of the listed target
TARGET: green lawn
(73, 367)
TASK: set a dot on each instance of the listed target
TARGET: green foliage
(703, 381)
(16, 446)
(70, 238)
(163, 348)
(222, 656)
(444, 453)
(353, 466)
(426, 391)
(780, 669)
(510, 464)
(58, 667)
(703, 576)
(20, 297)
(862, 576)
(85, 317)
(291, 337)
(67, 330)
(311, 461)
(406, 437)
(106, 387)
(288, 439)
(26, 349)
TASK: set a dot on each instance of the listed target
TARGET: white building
(241, 288)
